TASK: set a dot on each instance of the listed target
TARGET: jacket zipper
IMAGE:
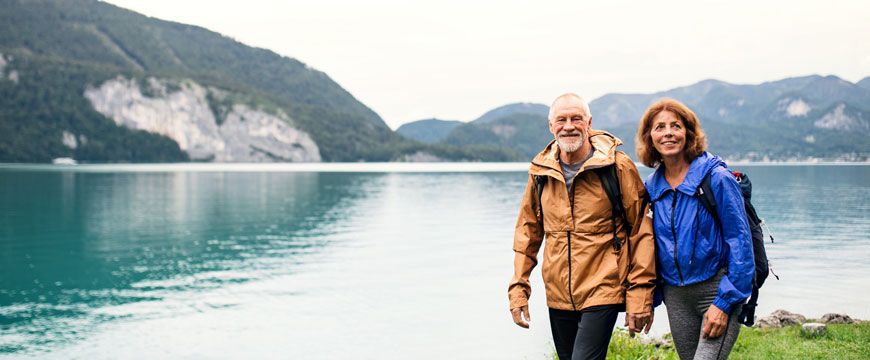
(570, 293)
(571, 198)
(674, 211)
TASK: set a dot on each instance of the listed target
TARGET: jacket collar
(603, 153)
(657, 186)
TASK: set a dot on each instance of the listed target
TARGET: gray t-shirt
(570, 170)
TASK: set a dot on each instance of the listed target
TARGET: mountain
(781, 120)
(91, 81)
(98, 83)
(428, 130)
(800, 118)
(731, 103)
(515, 108)
(522, 132)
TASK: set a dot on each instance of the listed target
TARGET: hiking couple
(615, 243)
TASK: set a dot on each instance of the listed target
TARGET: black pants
(583, 334)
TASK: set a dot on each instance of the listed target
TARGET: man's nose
(569, 125)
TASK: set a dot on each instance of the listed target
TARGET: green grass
(625, 347)
(841, 342)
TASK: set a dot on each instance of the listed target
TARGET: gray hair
(571, 95)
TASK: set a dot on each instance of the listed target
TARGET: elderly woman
(706, 264)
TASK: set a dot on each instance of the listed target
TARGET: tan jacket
(581, 266)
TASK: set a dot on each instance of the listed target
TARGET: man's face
(570, 124)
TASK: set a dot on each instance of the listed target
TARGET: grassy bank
(841, 342)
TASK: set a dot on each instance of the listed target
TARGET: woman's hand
(715, 321)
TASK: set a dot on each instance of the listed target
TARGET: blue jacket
(700, 248)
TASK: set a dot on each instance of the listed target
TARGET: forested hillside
(54, 50)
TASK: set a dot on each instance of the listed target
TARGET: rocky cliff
(181, 112)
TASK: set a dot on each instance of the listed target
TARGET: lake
(370, 261)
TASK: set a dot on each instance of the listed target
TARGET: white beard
(570, 146)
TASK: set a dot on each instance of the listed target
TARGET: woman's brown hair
(696, 140)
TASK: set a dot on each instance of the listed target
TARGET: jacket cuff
(722, 305)
(658, 296)
(518, 301)
(518, 296)
(638, 301)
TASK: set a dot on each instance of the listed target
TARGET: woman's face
(668, 134)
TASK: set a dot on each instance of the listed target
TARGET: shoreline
(363, 167)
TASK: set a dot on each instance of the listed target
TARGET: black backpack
(704, 193)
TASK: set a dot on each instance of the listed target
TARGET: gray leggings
(686, 308)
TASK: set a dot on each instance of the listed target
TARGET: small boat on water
(64, 161)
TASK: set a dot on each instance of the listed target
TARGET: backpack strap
(704, 193)
(540, 180)
(610, 183)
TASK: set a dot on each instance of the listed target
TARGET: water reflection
(74, 243)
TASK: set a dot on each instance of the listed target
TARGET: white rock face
(421, 156)
(838, 119)
(253, 135)
(793, 107)
(797, 108)
(247, 135)
(69, 139)
(3, 64)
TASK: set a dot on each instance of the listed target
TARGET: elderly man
(599, 255)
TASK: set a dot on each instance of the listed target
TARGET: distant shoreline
(365, 167)
(790, 163)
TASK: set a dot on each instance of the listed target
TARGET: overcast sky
(454, 60)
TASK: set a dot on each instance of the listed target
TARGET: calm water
(364, 261)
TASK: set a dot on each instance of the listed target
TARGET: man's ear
(590, 122)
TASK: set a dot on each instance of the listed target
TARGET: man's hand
(638, 321)
(519, 313)
(715, 321)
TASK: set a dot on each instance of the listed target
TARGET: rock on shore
(781, 318)
(831, 318)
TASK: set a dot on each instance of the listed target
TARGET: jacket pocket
(554, 267)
